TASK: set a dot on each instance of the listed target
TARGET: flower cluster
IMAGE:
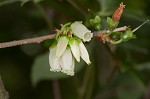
(68, 46)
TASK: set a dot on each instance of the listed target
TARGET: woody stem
(52, 36)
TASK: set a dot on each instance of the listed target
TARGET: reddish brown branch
(26, 41)
(3, 93)
(56, 89)
(42, 38)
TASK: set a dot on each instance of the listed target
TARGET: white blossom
(53, 61)
(81, 31)
(61, 46)
(67, 63)
(84, 53)
(75, 49)
(68, 48)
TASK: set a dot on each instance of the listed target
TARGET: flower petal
(71, 72)
(80, 31)
(66, 62)
(84, 53)
(53, 61)
(75, 49)
(61, 46)
(87, 37)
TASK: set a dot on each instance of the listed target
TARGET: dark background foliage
(121, 73)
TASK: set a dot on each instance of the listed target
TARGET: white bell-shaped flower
(61, 46)
(84, 53)
(75, 49)
(81, 31)
(71, 72)
(66, 62)
(53, 61)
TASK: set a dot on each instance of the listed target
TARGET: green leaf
(40, 70)
(107, 7)
(125, 91)
(111, 23)
(96, 23)
(96, 20)
(135, 73)
(128, 94)
(136, 48)
(37, 1)
(4, 2)
(143, 66)
(24, 1)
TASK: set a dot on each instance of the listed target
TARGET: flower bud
(117, 14)
(96, 23)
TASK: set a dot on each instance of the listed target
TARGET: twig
(42, 38)
(3, 92)
(43, 13)
(56, 89)
(147, 93)
(26, 41)
(98, 33)
(77, 7)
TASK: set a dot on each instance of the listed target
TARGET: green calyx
(71, 40)
(53, 45)
(63, 31)
(118, 37)
(78, 39)
(65, 25)
(75, 38)
(127, 35)
(115, 35)
(111, 23)
(98, 27)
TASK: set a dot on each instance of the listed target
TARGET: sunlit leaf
(37, 1)
(107, 7)
(40, 70)
(4, 2)
(127, 89)
(144, 66)
(23, 2)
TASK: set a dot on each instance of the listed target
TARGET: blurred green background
(121, 73)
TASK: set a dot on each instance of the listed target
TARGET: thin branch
(43, 13)
(56, 89)
(42, 38)
(3, 93)
(98, 33)
(77, 7)
(26, 41)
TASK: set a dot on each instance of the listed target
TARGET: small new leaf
(96, 23)
(111, 23)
